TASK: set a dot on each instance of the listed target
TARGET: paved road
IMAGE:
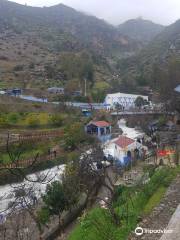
(173, 227)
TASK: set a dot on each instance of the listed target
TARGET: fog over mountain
(116, 12)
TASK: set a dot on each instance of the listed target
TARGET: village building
(101, 129)
(56, 90)
(13, 92)
(177, 89)
(124, 150)
(16, 91)
(125, 100)
(86, 112)
(77, 93)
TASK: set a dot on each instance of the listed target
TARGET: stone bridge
(141, 115)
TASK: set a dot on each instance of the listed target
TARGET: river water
(35, 186)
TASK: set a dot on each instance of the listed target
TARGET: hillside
(35, 43)
(156, 57)
(86, 30)
(140, 29)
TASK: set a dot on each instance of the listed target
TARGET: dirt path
(161, 215)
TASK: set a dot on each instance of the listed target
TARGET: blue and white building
(126, 100)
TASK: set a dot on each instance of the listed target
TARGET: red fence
(32, 136)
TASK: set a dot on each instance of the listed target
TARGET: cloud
(117, 11)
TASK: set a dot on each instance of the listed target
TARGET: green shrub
(57, 120)
(33, 121)
(154, 200)
(130, 203)
(43, 215)
(13, 118)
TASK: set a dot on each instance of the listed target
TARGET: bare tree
(24, 199)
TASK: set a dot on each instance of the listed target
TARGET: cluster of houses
(127, 146)
(122, 149)
(12, 92)
(61, 91)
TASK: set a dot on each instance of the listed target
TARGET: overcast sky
(117, 11)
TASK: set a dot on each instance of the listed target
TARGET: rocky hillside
(161, 52)
(69, 28)
(38, 46)
(140, 29)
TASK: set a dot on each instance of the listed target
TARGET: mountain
(39, 46)
(87, 31)
(140, 29)
(155, 60)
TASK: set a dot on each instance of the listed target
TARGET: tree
(43, 215)
(139, 102)
(55, 200)
(57, 120)
(99, 91)
(74, 135)
(50, 71)
(119, 107)
(24, 192)
(71, 185)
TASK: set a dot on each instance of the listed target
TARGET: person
(2, 218)
(35, 200)
(55, 153)
(49, 151)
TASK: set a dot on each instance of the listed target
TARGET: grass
(25, 155)
(29, 150)
(32, 120)
(130, 204)
(154, 200)
(95, 225)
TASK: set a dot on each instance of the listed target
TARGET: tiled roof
(124, 141)
(100, 123)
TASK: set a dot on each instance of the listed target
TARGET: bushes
(3, 121)
(43, 215)
(99, 91)
(162, 177)
(95, 225)
(13, 118)
(130, 203)
(144, 199)
(154, 200)
(57, 120)
(74, 135)
(33, 120)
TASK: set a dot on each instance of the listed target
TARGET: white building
(124, 99)
(126, 145)
(123, 149)
(56, 90)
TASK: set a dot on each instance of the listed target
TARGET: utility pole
(85, 87)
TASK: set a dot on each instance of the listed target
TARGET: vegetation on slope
(140, 29)
(130, 204)
(37, 43)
